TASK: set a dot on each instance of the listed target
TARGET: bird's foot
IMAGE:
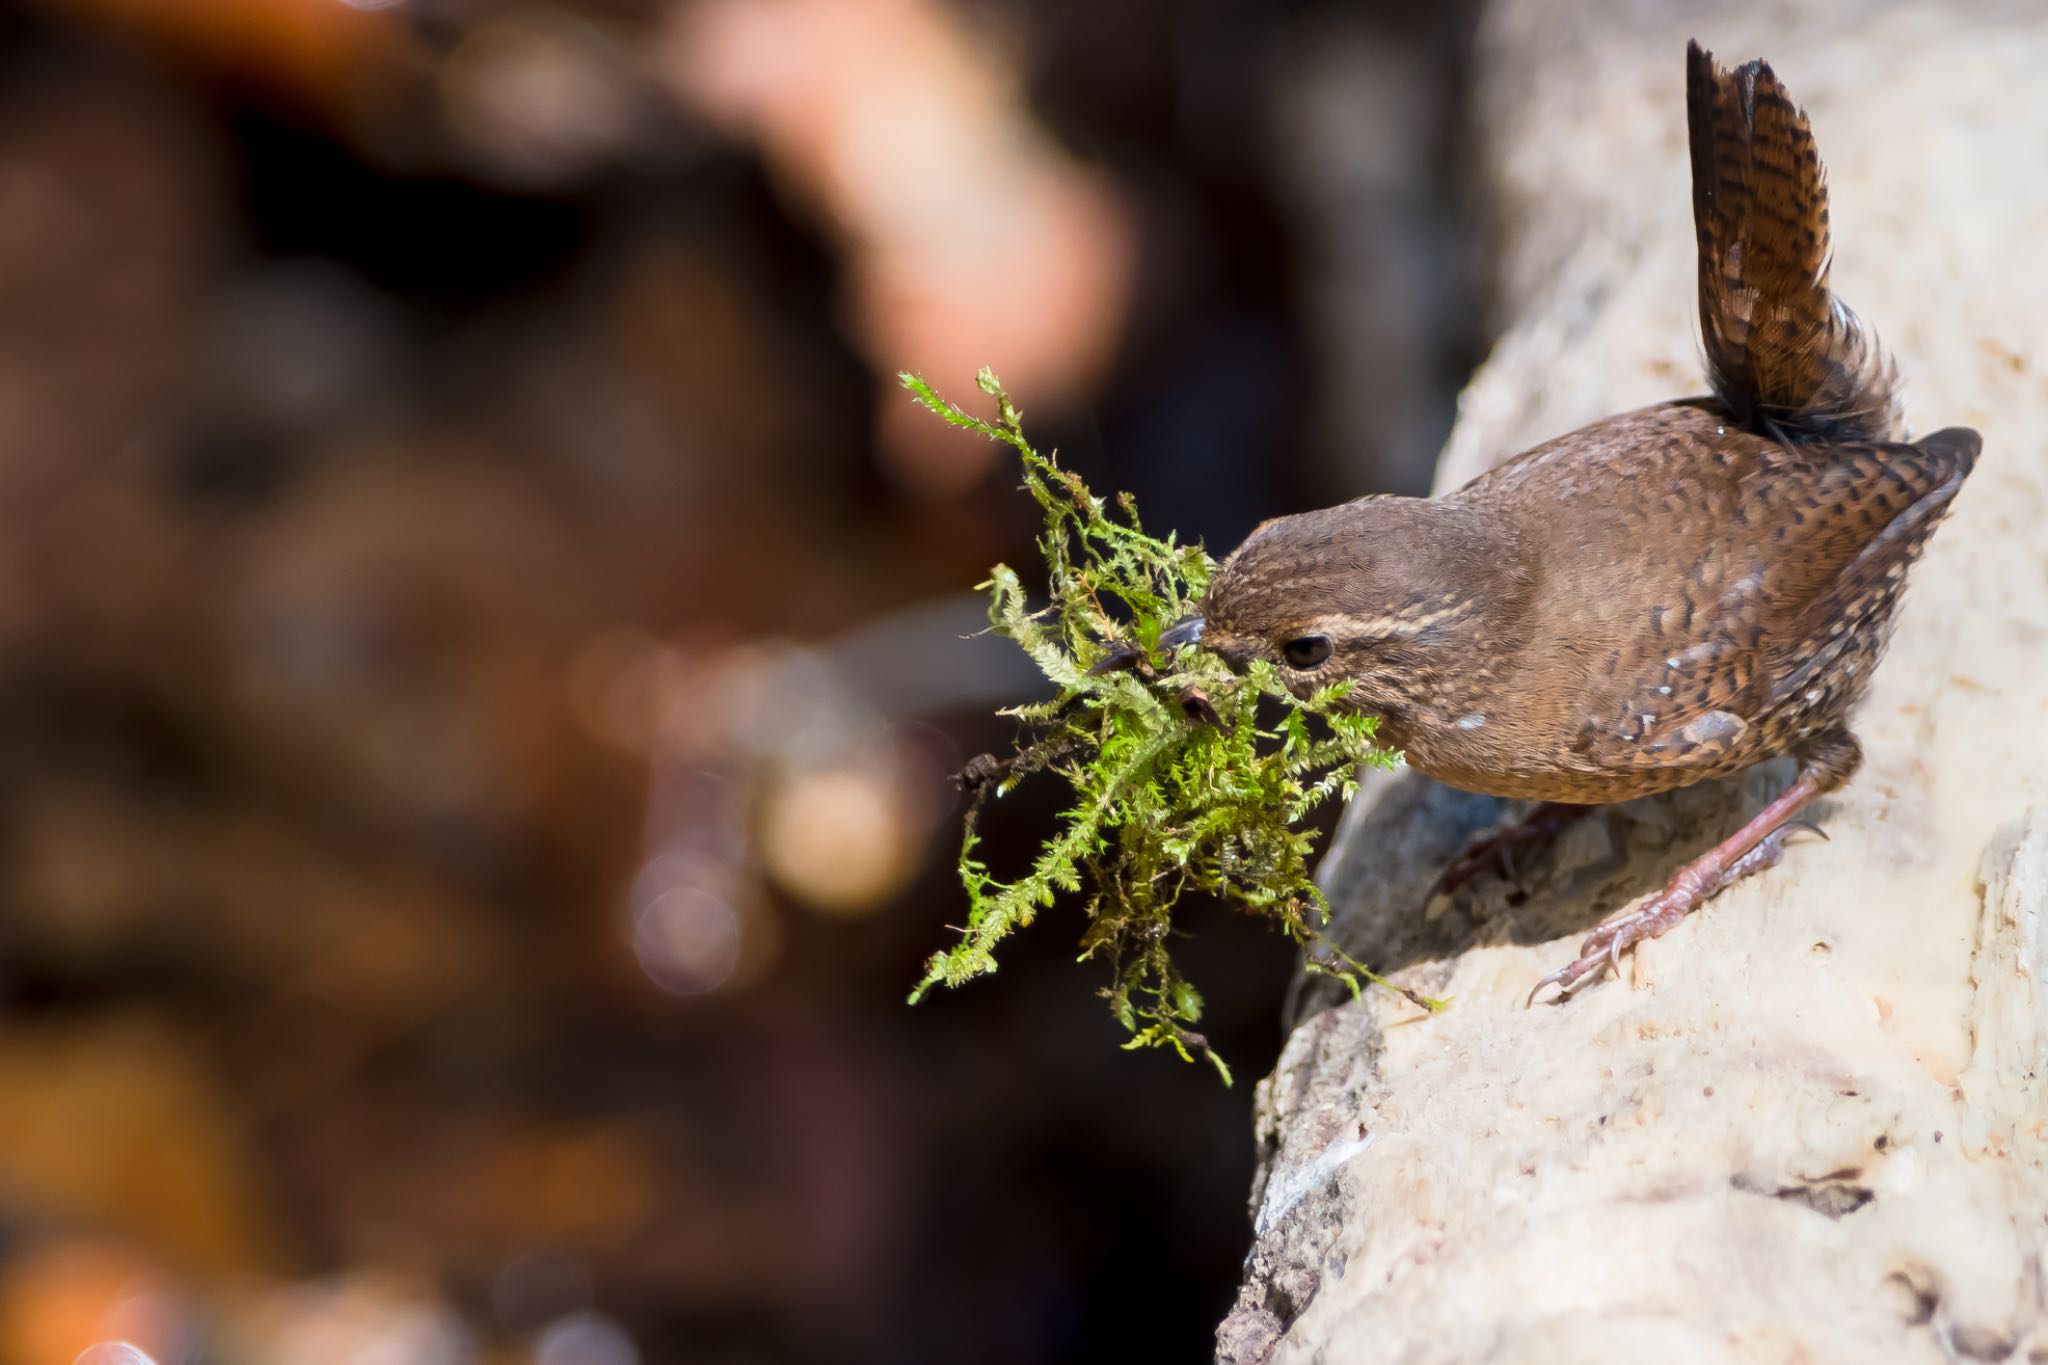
(1694, 884)
(1505, 849)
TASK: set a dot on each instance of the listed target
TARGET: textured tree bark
(1814, 1125)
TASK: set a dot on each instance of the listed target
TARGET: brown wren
(1663, 597)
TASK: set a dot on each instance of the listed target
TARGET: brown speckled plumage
(1665, 596)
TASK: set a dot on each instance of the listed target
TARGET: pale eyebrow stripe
(1396, 624)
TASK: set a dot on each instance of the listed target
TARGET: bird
(1664, 597)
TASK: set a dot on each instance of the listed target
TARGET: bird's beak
(1182, 632)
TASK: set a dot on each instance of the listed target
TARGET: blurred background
(483, 645)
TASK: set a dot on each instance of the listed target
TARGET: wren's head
(1390, 593)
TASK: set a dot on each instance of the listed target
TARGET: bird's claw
(1609, 940)
(1693, 886)
(1768, 852)
(1470, 864)
(1499, 850)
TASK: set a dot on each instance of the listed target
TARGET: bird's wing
(1771, 613)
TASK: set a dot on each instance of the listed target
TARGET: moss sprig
(1176, 784)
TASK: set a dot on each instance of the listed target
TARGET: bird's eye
(1306, 651)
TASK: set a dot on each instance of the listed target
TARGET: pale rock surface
(1815, 1128)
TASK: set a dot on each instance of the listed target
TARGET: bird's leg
(1754, 847)
(1502, 850)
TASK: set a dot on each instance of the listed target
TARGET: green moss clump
(1176, 784)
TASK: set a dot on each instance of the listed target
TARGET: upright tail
(1787, 357)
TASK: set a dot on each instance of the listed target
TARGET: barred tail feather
(1784, 354)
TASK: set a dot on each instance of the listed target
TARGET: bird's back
(1761, 580)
